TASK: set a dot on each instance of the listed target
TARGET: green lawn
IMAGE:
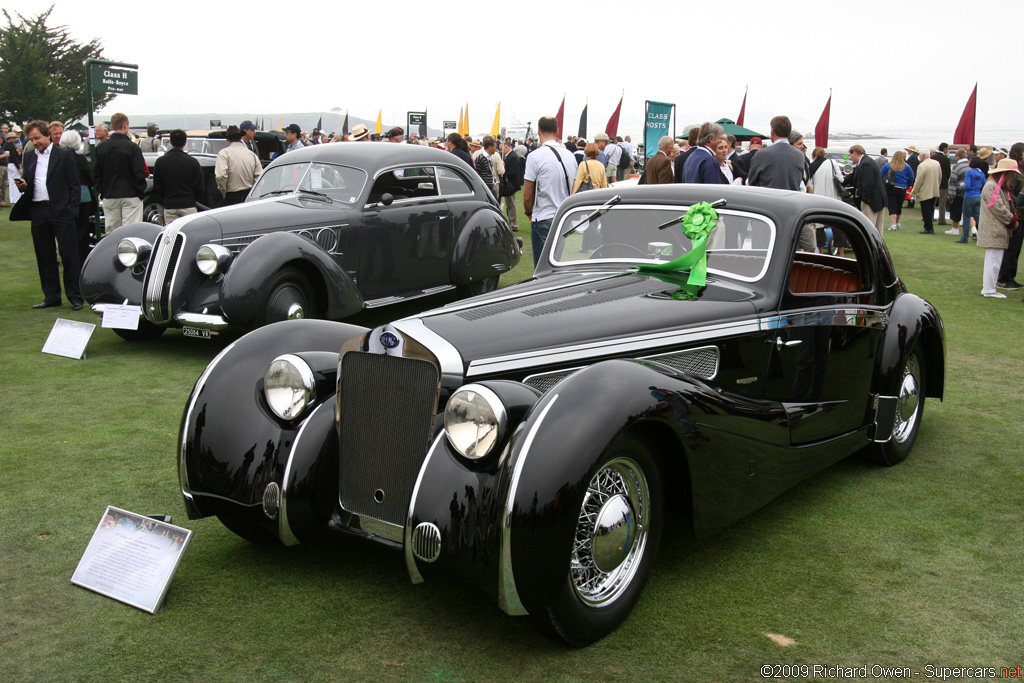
(921, 564)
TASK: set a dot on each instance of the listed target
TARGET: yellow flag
(496, 129)
(378, 131)
(459, 129)
(466, 121)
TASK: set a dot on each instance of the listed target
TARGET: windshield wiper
(601, 210)
(318, 194)
(267, 194)
(668, 224)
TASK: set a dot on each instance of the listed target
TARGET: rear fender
(245, 283)
(486, 248)
(913, 324)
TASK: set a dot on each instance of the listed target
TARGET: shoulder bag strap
(568, 187)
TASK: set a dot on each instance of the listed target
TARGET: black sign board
(417, 121)
(214, 123)
(451, 125)
(114, 79)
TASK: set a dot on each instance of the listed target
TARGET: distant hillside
(307, 121)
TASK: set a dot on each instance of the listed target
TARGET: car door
(826, 334)
(406, 236)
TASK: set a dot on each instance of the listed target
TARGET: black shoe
(46, 304)
(1011, 285)
(77, 305)
(927, 232)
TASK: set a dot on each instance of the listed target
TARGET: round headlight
(474, 420)
(289, 386)
(212, 258)
(132, 250)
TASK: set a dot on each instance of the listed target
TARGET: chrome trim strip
(207, 322)
(508, 595)
(284, 531)
(376, 303)
(853, 316)
(606, 348)
(186, 490)
(410, 560)
(461, 306)
(446, 353)
(847, 317)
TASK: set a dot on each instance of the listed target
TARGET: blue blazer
(62, 185)
(702, 167)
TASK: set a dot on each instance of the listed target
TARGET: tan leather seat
(806, 278)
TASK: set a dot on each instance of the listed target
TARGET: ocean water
(840, 141)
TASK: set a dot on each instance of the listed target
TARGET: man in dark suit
(701, 164)
(659, 167)
(51, 194)
(868, 188)
(511, 182)
(782, 165)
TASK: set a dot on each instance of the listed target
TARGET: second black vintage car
(528, 441)
(327, 231)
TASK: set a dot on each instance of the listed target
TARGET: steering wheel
(618, 244)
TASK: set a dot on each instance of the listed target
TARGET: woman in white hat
(997, 221)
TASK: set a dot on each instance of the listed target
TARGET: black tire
(145, 332)
(594, 601)
(478, 287)
(251, 532)
(289, 297)
(909, 412)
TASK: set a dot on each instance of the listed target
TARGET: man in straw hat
(359, 132)
(998, 220)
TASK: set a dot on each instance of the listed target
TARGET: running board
(408, 296)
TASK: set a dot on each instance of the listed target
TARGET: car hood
(585, 308)
(273, 213)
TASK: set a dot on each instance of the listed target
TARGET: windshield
(739, 246)
(338, 183)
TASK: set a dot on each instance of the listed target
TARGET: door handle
(781, 344)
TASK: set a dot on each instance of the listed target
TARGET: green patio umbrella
(740, 132)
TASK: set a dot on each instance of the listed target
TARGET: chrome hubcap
(295, 312)
(610, 533)
(909, 400)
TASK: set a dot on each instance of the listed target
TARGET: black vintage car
(327, 231)
(529, 440)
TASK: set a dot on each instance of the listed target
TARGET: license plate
(196, 332)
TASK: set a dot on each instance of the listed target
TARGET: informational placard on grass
(69, 338)
(123, 317)
(132, 558)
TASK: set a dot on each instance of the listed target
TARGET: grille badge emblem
(389, 340)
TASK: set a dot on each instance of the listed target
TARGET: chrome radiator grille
(386, 407)
(159, 280)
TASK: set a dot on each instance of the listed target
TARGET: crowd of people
(979, 189)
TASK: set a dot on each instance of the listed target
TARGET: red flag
(821, 130)
(559, 116)
(613, 123)
(964, 133)
(743, 109)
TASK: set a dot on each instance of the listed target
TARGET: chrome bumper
(200, 320)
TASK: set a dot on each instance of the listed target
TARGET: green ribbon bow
(697, 225)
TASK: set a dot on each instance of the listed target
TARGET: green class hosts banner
(656, 119)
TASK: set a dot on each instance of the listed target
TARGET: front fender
(245, 284)
(231, 446)
(104, 279)
(486, 248)
(701, 434)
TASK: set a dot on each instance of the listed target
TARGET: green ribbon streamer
(697, 224)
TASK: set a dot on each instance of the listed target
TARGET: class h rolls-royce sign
(114, 79)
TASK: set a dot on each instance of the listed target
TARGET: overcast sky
(893, 66)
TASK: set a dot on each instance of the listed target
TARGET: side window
(829, 260)
(412, 182)
(451, 182)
